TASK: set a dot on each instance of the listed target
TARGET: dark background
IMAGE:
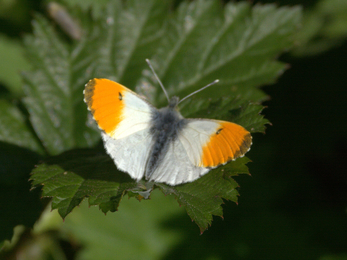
(294, 205)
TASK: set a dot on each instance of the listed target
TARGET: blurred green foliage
(324, 26)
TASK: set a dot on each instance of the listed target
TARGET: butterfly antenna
(156, 76)
(191, 94)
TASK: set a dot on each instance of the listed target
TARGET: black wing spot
(218, 131)
(120, 96)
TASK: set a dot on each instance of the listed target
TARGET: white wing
(130, 153)
(125, 119)
(176, 168)
(202, 144)
(210, 143)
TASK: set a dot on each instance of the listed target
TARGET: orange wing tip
(246, 145)
(225, 146)
(88, 93)
(104, 99)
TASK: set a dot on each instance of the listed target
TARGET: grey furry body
(167, 122)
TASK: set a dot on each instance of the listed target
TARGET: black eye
(120, 96)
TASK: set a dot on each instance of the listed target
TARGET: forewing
(201, 145)
(210, 143)
(124, 118)
(118, 111)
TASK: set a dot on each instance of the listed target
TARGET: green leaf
(231, 109)
(77, 174)
(137, 231)
(54, 88)
(132, 34)
(95, 6)
(13, 128)
(203, 197)
(190, 47)
(324, 27)
(12, 63)
(204, 42)
(140, 223)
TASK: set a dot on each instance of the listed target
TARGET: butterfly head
(173, 102)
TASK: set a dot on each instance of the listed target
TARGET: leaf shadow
(16, 198)
(90, 164)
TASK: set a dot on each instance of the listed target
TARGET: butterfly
(160, 144)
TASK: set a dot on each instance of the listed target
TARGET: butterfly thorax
(167, 122)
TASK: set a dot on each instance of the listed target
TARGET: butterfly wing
(201, 145)
(210, 143)
(124, 118)
(176, 168)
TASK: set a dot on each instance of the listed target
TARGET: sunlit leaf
(13, 128)
(194, 45)
(54, 88)
(75, 175)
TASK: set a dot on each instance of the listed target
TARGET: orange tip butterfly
(160, 144)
